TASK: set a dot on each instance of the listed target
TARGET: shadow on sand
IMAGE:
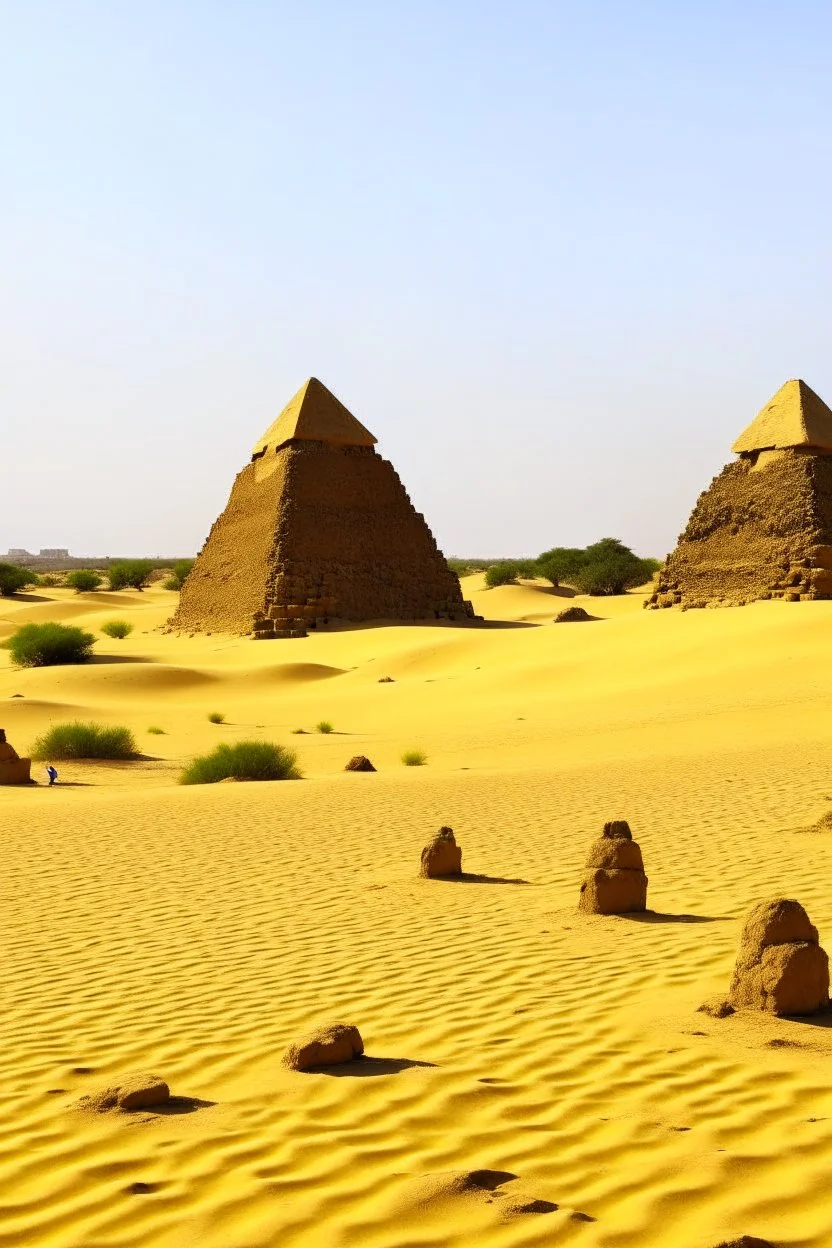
(180, 1105)
(468, 877)
(368, 1067)
(655, 916)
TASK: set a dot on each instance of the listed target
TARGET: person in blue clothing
(52, 774)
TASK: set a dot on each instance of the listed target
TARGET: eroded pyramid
(763, 528)
(318, 529)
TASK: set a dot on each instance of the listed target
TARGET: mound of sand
(441, 857)
(327, 1046)
(780, 966)
(614, 882)
(134, 1092)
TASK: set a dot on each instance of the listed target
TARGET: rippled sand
(556, 1060)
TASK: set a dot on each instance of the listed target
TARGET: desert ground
(196, 931)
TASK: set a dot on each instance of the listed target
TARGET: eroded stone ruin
(763, 528)
(780, 966)
(614, 881)
(13, 768)
(318, 528)
(441, 857)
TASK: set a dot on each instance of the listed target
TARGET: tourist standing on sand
(52, 774)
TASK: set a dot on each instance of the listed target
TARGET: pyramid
(318, 529)
(763, 528)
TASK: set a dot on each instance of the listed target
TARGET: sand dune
(195, 932)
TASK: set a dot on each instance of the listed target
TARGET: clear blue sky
(555, 255)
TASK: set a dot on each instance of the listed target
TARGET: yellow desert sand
(532, 1075)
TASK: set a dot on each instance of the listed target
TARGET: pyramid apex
(794, 416)
(314, 414)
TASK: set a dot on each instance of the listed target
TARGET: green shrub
(504, 573)
(179, 574)
(13, 579)
(246, 760)
(79, 740)
(156, 732)
(117, 628)
(82, 581)
(414, 758)
(46, 645)
(216, 717)
(130, 574)
(324, 726)
(48, 581)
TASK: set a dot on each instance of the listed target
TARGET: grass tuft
(80, 740)
(157, 732)
(216, 717)
(246, 760)
(414, 758)
(324, 726)
(117, 628)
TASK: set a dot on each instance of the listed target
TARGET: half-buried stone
(134, 1092)
(780, 966)
(614, 881)
(328, 1046)
(441, 857)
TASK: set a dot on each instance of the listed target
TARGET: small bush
(414, 758)
(117, 628)
(298, 732)
(82, 581)
(180, 574)
(156, 732)
(130, 574)
(324, 726)
(13, 579)
(79, 740)
(501, 574)
(48, 581)
(47, 645)
(246, 760)
(216, 717)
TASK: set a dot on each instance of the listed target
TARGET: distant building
(14, 552)
(54, 552)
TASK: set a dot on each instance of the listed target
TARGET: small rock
(328, 1046)
(716, 1008)
(441, 857)
(359, 762)
(134, 1092)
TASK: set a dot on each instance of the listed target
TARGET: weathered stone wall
(313, 533)
(763, 529)
(227, 585)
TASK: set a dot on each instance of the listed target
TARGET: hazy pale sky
(554, 255)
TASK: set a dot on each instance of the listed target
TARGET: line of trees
(605, 567)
